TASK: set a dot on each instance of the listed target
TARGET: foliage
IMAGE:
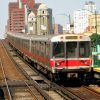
(95, 39)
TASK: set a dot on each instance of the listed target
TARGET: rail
(5, 79)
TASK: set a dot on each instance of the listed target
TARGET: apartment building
(18, 14)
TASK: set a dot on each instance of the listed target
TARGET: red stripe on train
(53, 63)
(70, 63)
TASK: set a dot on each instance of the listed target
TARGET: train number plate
(72, 75)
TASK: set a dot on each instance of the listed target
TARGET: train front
(71, 54)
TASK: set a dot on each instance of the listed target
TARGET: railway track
(19, 87)
(49, 90)
(84, 93)
(5, 80)
(21, 92)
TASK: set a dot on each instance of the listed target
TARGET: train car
(55, 54)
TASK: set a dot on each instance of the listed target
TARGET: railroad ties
(16, 83)
(29, 80)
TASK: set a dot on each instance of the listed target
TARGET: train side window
(44, 49)
(23, 43)
(40, 48)
(27, 44)
(36, 45)
(47, 50)
(39, 51)
(33, 46)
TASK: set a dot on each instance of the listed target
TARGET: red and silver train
(54, 54)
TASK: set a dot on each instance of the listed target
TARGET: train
(54, 55)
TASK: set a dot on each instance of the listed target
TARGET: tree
(95, 39)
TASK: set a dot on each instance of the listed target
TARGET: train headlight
(85, 62)
(57, 63)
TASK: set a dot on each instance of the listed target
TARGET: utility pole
(96, 22)
(96, 36)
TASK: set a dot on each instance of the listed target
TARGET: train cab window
(71, 49)
(58, 50)
(84, 49)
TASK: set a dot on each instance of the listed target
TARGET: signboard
(31, 28)
(71, 37)
(43, 27)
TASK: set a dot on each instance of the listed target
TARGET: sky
(58, 7)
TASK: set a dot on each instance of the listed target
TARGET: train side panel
(41, 52)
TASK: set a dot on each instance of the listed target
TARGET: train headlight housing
(85, 62)
(57, 64)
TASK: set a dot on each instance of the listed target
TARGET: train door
(71, 53)
(71, 58)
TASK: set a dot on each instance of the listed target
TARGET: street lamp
(63, 14)
(67, 16)
(96, 36)
(95, 22)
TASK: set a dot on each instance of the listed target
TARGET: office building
(18, 15)
(81, 17)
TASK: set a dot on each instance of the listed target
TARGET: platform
(97, 69)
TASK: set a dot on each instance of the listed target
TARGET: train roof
(52, 38)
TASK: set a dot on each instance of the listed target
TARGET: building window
(43, 12)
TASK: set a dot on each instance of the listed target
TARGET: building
(94, 24)
(81, 17)
(58, 29)
(18, 15)
(80, 21)
(32, 29)
(90, 6)
(40, 24)
(11, 7)
(44, 20)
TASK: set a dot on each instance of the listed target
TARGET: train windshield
(84, 49)
(71, 49)
(58, 50)
(78, 49)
